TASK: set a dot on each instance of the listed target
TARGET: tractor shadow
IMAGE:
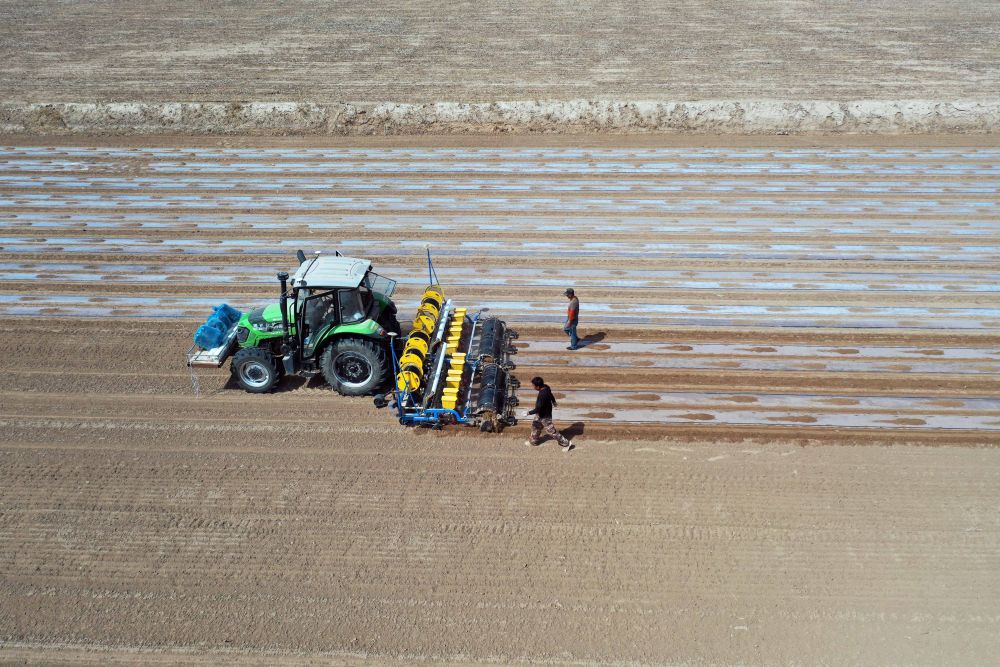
(285, 384)
(593, 338)
(296, 382)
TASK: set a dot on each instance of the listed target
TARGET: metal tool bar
(443, 320)
(430, 394)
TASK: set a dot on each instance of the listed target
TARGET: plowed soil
(785, 413)
(423, 51)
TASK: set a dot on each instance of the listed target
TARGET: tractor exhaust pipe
(287, 354)
(283, 304)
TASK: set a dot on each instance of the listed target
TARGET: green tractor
(334, 316)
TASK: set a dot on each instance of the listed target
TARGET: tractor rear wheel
(255, 370)
(354, 366)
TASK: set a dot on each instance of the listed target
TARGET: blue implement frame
(412, 413)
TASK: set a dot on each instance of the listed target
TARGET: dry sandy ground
(420, 51)
(785, 420)
(252, 532)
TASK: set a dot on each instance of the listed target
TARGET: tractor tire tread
(376, 355)
(256, 354)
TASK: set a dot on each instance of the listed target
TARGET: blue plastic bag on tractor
(228, 314)
(213, 332)
(217, 322)
(207, 337)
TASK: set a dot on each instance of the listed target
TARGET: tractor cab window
(353, 305)
(379, 284)
(320, 309)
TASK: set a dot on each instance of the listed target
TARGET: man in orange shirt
(572, 317)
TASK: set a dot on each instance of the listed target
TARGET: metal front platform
(214, 357)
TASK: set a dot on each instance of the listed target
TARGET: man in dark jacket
(542, 423)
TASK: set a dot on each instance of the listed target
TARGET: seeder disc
(436, 293)
(411, 360)
(430, 305)
(416, 344)
(421, 335)
(424, 322)
(407, 381)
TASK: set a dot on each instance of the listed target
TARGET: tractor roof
(331, 271)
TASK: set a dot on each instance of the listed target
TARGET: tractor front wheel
(255, 370)
(354, 366)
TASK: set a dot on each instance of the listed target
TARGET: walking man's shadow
(590, 339)
(573, 430)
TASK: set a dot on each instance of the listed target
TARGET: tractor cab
(329, 292)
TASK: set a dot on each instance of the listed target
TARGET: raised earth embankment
(580, 116)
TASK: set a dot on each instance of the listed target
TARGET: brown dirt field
(232, 539)
(787, 475)
(420, 51)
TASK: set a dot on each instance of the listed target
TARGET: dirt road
(785, 414)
